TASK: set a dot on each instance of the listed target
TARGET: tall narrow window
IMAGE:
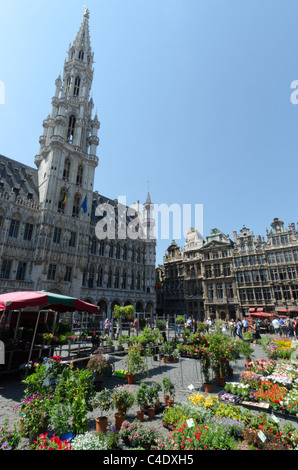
(51, 272)
(68, 273)
(21, 271)
(57, 235)
(80, 175)
(66, 170)
(91, 277)
(28, 232)
(76, 205)
(124, 280)
(81, 55)
(77, 84)
(71, 128)
(5, 268)
(14, 228)
(116, 281)
(72, 240)
(100, 276)
(68, 83)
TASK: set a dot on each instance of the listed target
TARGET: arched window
(80, 175)
(138, 255)
(71, 128)
(125, 252)
(81, 55)
(72, 54)
(133, 255)
(77, 84)
(76, 205)
(132, 285)
(118, 251)
(66, 170)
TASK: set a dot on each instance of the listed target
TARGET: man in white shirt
(275, 325)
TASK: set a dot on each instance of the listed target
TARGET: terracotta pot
(119, 418)
(208, 388)
(170, 403)
(166, 399)
(247, 360)
(130, 378)
(101, 424)
(151, 413)
(140, 416)
(221, 381)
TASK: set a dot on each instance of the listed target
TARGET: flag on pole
(84, 205)
(64, 200)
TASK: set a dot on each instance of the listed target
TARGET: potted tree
(221, 351)
(168, 389)
(246, 350)
(206, 364)
(135, 363)
(103, 401)
(101, 367)
(122, 399)
(142, 401)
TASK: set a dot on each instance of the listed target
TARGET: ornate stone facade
(237, 276)
(49, 237)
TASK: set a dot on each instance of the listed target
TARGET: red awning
(261, 314)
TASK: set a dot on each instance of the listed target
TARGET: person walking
(239, 328)
(255, 332)
(275, 324)
(245, 325)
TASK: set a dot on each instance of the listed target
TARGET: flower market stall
(27, 324)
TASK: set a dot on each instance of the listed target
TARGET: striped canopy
(48, 300)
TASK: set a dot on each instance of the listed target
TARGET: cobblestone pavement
(183, 374)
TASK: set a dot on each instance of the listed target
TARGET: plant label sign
(190, 423)
(262, 436)
(191, 387)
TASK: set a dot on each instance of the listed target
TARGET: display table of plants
(266, 384)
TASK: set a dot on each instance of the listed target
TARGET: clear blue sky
(192, 95)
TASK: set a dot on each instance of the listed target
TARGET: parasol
(49, 300)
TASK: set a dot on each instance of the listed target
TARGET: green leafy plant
(122, 398)
(168, 387)
(134, 361)
(103, 400)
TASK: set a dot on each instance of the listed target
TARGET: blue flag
(84, 205)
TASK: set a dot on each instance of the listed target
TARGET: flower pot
(101, 424)
(247, 360)
(166, 399)
(151, 413)
(130, 378)
(170, 403)
(119, 418)
(221, 381)
(140, 416)
(208, 388)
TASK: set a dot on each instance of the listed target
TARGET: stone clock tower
(67, 157)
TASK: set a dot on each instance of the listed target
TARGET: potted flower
(103, 401)
(246, 350)
(153, 401)
(122, 399)
(135, 363)
(34, 415)
(168, 389)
